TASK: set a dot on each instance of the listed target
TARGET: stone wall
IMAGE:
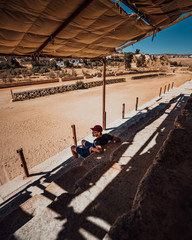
(162, 207)
(147, 76)
(20, 96)
(17, 84)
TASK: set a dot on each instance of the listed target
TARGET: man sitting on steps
(87, 147)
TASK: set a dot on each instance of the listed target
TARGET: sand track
(42, 126)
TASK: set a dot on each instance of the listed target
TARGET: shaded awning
(159, 12)
(78, 28)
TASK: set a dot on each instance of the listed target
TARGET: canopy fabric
(78, 28)
(159, 12)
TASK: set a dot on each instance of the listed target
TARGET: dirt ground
(42, 126)
(184, 61)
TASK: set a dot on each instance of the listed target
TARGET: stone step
(75, 199)
(85, 194)
(33, 206)
(165, 190)
(13, 218)
(67, 181)
(22, 214)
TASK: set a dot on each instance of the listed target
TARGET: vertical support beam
(136, 106)
(23, 162)
(123, 111)
(165, 88)
(74, 134)
(172, 84)
(104, 77)
(168, 87)
(34, 57)
(160, 91)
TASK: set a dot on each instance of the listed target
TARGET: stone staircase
(85, 201)
(162, 206)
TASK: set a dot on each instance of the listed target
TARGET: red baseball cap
(97, 128)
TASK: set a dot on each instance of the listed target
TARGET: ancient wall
(20, 96)
(18, 84)
(148, 75)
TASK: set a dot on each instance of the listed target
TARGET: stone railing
(20, 96)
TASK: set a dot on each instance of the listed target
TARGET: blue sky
(176, 39)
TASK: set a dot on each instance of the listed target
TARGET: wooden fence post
(74, 134)
(136, 106)
(123, 111)
(23, 162)
(160, 91)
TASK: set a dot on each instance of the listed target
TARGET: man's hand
(116, 139)
(98, 149)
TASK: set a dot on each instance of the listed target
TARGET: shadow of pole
(117, 197)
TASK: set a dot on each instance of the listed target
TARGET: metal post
(168, 87)
(160, 91)
(136, 106)
(74, 134)
(24, 165)
(123, 111)
(104, 76)
(165, 88)
(172, 84)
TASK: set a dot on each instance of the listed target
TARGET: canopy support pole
(104, 76)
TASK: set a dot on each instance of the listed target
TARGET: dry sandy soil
(42, 126)
(183, 61)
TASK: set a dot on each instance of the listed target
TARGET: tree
(4, 65)
(36, 63)
(128, 57)
(137, 51)
(52, 75)
(67, 64)
(4, 77)
(174, 63)
(74, 74)
(141, 61)
(44, 69)
(35, 69)
(53, 65)
(15, 63)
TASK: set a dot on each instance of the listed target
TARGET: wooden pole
(123, 111)
(160, 91)
(136, 106)
(104, 116)
(12, 95)
(74, 134)
(104, 76)
(23, 162)
(172, 84)
(165, 88)
(168, 87)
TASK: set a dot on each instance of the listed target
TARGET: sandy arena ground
(42, 126)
